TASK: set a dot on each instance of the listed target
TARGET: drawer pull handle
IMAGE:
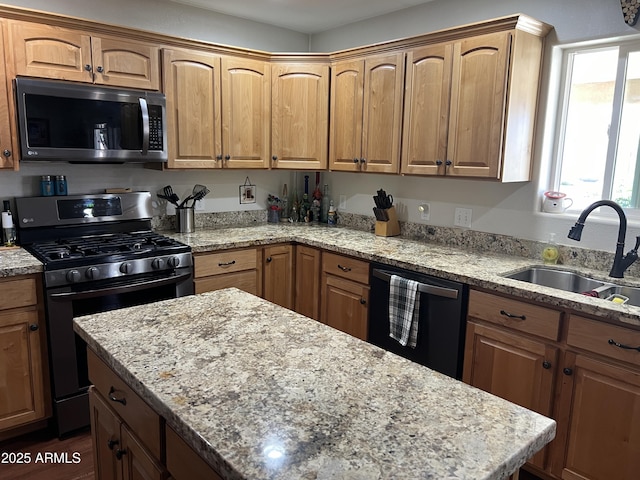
(344, 269)
(511, 315)
(113, 398)
(221, 264)
(620, 345)
(112, 443)
(120, 453)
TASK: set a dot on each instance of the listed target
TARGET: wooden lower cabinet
(228, 268)
(277, 275)
(24, 386)
(307, 281)
(184, 463)
(345, 294)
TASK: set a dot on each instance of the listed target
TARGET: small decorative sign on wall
(247, 192)
(630, 11)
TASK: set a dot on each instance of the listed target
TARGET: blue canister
(61, 185)
(46, 186)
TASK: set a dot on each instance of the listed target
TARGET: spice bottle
(8, 227)
(61, 185)
(46, 186)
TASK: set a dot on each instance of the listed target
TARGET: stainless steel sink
(560, 279)
(569, 281)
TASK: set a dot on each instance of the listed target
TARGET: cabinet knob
(546, 365)
(567, 371)
(274, 158)
(269, 259)
(355, 160)
(87, 67)
(438, 162)
(363, 160)
(363, 301)
(6, 153)
(218, 157)
(100, 69)
(448, 162)
(227, 157)
(120, 453)
(33, 327)
(112, 443)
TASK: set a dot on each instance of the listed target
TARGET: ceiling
(306, 16)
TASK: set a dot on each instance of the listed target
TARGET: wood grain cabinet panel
(230, 268)
(278, 275)
(299, 116)
(307, 281)
(8, 126)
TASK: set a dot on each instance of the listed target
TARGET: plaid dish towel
(404, 308)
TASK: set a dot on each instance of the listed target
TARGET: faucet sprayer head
(576, 231)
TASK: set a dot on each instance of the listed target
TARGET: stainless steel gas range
(99, 253)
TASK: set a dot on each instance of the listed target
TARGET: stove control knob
(173, 262)
(126, 267)
(73, 276)
(157, 263)
(92, 273)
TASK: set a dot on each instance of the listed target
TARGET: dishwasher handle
(422, 287)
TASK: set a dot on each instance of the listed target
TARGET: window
(598, 149)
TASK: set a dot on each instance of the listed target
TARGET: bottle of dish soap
(550, 252)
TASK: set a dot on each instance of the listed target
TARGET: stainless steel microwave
(72, 122)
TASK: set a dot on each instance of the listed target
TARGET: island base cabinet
(116, 451)
(602, 404)
(185, 464)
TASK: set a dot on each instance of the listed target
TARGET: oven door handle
(422, 287)
(130, 287)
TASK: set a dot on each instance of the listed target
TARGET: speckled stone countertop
(262, 392)
(483, 270)
(16, 261)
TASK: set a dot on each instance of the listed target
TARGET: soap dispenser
(550, 252)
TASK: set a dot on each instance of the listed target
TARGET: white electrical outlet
(343, 202)
(199, 205)
(462, 217)
(425, 211)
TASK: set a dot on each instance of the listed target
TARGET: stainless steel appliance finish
(73, 122)
(99, 254)
(441, 324)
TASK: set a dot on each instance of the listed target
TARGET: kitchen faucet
(620, 261)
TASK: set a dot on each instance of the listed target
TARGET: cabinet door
(510, 366)
(382, 116)
(192, 89)
(345, 143)
(278, 275)
(307, 295)
(7, 124)
(246, 113)
(125, 63)
(602, 404)
(21, 376)
(478, 98)
(51, 52)
(300, 116)
(137, 464)
(105, 435)
(345, 305)
(426, 110)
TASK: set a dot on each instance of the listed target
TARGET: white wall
(511, 209)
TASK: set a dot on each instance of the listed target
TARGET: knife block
(391, 227)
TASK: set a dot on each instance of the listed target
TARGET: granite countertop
(260, 391)
(16, 261)
(484, 270)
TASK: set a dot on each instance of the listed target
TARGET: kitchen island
(259, 391)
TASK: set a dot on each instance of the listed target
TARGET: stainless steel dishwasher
(441, 324)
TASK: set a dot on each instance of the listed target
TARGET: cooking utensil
(199, 195)
(196, 188)
(165, 197)
(171, 196)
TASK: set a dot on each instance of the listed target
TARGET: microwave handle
(144, 110)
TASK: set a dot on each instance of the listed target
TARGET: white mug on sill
(555, 202)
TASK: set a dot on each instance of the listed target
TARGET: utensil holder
(391, 227)
(185, 220)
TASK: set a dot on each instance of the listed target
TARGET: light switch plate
(462, 217)
(199, 205)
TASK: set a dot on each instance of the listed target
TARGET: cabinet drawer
(356, 270)
(540, 321)
(225, 262)
(594, 336)
(18, 293)
(133, 410)
(247, 281)
(184, 463)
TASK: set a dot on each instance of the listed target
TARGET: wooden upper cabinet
(7, 122)
(54, 52)
(426, 109)
(300, 116)
(366, 114)
(246, 113)
(478, 99)
(192, 89)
